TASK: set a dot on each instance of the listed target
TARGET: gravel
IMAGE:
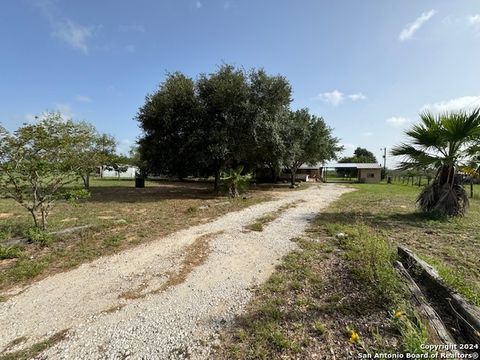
(181, 322)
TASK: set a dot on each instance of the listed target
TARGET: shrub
(38, 236)
(76, 194)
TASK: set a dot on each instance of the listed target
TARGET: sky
(367, 67)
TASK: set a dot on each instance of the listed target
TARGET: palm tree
(442, 142)
(234, 182)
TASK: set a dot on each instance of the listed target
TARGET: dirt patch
(5, 215)
(69, 219)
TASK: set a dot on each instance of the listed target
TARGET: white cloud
(474, 19)
(335, 97)
(83, 98)
(397, 121)
(461, 103)
(411, 28)
(73, 34)
(367, 133)
(356, 97)
(198, 4)
(65, 29)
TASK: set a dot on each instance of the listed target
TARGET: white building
(124, 172)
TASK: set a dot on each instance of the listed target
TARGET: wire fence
(472, 189)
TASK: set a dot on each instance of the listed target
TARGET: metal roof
(343, 165)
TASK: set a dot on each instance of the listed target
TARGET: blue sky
(368, 67)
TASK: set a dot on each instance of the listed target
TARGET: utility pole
(384, 156)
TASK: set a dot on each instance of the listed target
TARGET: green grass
(10, 252)
(389, 210)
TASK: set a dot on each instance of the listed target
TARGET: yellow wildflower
(354, 337)
(398, 314)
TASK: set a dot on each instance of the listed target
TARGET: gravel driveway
(165, 299)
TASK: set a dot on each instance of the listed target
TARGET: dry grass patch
(262, 221)
(34, 350)
(145, 215)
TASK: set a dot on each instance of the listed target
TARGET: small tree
(37, 161)
(443, 142)
(234, 183)
(94, 150)
(308, 140)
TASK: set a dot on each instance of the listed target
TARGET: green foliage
(38, 160)
(38, 236)
(234, 183)
(27, 268)
(413, 332)
(443, 142)
(113, 241)
(96, 150)
(76, 194)
(360, 155)
(228, 118)
(10, 252)
(308, 140)
(373, 259)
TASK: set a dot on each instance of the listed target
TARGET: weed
(113, 241)
(256, 226)
(6, 232)
(319, 328)
(413, 332)
(10, 252)
(38, 236)
(192, 210)
(372, 259)
(27, 268)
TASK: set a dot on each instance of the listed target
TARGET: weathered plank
(427, 313)
(466, 314)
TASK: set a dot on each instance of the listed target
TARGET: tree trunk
(34, 216)
(293, 172)
(274, 174)
(216, 184)
(86, 181)
(44, 219)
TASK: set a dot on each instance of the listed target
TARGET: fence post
(471, 188)
(420, 180)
